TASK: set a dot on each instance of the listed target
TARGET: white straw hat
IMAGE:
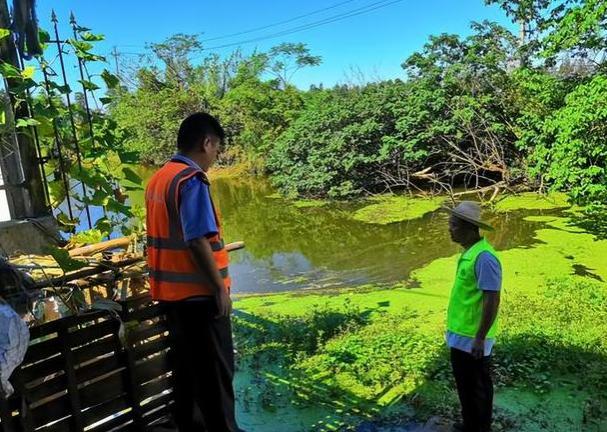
(470, 211)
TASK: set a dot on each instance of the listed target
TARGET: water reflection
(290, 248)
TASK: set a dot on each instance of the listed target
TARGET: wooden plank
(122, 423)
(98, 368)
(146, 313)
(8, 422)
(42, 350)
(137, 301)
(155, 416)
(95, 349)
(149, 369)
(46, 329)
(53, 410)
(103, 391)
(25, 419)
(66, 322)
(102, 411)
(72, 383)
(165, 399)
(46, 389)
(92, 332)
(43, 369)
(156, 387)
(61, 426)
(146, 332)
(151, 347)
(134, 305)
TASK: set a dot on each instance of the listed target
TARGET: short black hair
(195, 127)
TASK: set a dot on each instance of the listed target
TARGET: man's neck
(201, 163)
(468, 243)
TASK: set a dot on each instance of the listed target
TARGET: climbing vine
(79, 143)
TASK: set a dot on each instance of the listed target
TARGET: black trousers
(202, 358)
(475, 390)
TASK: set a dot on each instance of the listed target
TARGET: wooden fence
(78, 375)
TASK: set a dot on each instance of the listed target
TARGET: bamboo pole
(122, 242)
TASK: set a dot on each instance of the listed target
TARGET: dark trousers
(202, 358)
(475, 390)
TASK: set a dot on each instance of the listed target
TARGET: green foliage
(253, 110)
(111, 80)
(447, 120)
(100, 172)
(62, 257)
(343, 132)
(298, 335)
(580, 28)
(91, 236)
(493, 107)
(533, 339)
(577, 159)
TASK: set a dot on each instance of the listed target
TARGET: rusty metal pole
(71, 113)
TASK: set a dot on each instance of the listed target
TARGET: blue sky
(375, 43)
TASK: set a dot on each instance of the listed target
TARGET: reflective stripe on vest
(178, 244)
(465, 310)
(166, 276)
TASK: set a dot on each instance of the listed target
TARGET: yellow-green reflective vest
(466, 303)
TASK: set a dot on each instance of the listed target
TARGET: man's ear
(204, 142)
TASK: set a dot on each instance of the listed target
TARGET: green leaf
(44, 36)
(89, 85)
(90, 37)
(4, 33)
(81, 45)
(90, 177)
(2, 117)
(64, 89)
(129, 157)
(66, 222)
(23, 123)
(90, 236)
(9, 71)
(104, 224)
(131, 175)
(99, 198)
(111, 80)
(133, 188)
(106, 100)
(115, 206)
(64, 260)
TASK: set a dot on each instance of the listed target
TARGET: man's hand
(478, 348)
(224, 304)
(203, 257)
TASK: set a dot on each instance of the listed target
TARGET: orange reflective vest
(173, 272)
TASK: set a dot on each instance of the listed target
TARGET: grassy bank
(326, 360)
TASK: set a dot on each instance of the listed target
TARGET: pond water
(291, 247)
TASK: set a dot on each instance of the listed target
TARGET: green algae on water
(391, 209)
(308, 203)
(532, 201)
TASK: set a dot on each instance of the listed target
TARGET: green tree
(286, 59)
